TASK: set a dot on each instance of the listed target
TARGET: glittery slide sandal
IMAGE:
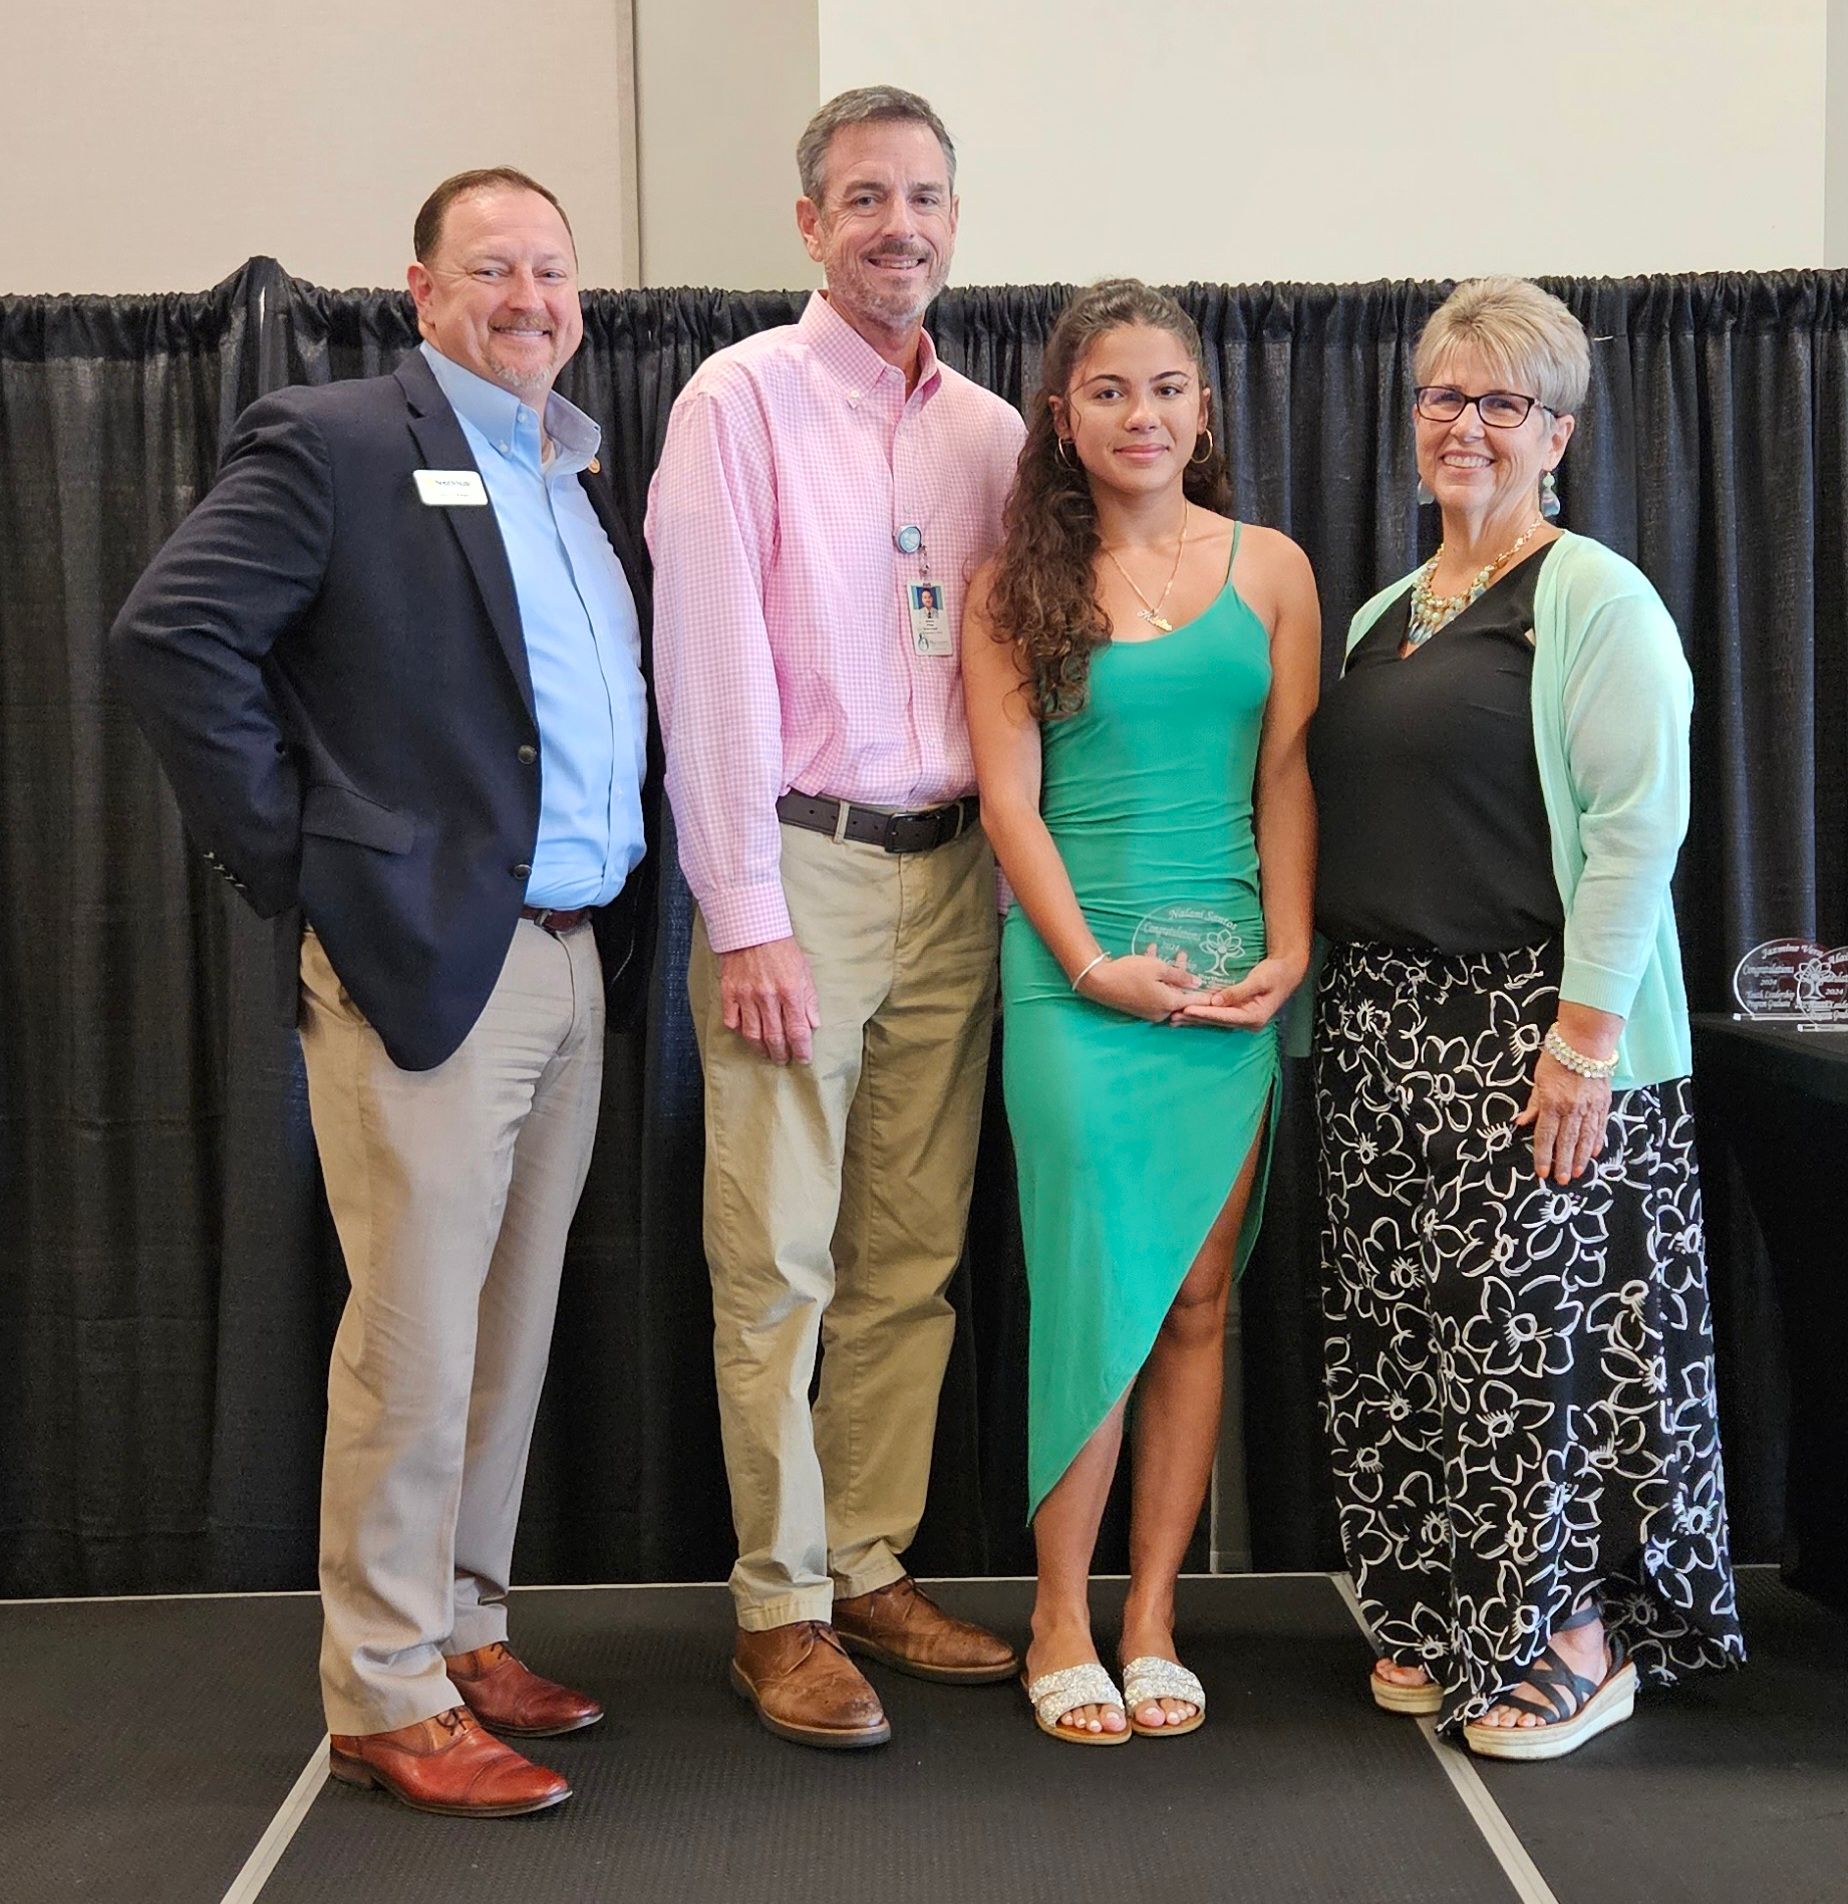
(1065, 1691)
(1152, 1677)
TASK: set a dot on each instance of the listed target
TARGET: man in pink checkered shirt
(825, 492)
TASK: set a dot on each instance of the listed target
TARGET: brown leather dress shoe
(902, 1626)
(508, 1698)
(805, 1687)
(447, 1765)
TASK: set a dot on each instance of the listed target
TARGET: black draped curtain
(169, 1280)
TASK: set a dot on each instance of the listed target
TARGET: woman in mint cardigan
(1519, 1358)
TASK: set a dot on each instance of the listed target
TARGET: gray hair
(865, 105)
(1525, 332)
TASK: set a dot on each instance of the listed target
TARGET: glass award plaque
(1793, 982)
(1216, 950)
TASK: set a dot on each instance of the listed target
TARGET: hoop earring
(1196, 459)
(1549, 496)
(1062, 444)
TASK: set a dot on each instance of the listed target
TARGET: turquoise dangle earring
(1549, 496)
(1424, 493)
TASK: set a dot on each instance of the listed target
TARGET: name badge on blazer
(450, 488)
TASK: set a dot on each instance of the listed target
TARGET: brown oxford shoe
(901, 1626)
(509, 1698)
(447, 1765)
(805, 1687)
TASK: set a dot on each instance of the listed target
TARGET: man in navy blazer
(392, 665)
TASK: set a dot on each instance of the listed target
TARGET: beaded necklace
(1430, 611)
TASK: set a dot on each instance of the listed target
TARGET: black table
(1778, 1097)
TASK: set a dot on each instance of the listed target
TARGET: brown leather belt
(896, 832)
(555, 919)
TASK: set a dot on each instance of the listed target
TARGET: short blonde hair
(1525, 332)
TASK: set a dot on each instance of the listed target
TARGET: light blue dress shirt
(583, 638)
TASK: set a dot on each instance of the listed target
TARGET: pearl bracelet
(1560, 1052)
(1103, 958)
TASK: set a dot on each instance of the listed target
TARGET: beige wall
(1835, 183)
(156, 147)
(1244, 140)
(1214, 139)
(722, 88)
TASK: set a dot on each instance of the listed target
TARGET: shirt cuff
(744, 916)
(1598, 987)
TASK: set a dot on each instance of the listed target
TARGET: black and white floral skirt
(1520, 1376)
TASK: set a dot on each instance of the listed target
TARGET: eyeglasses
(1499, 409)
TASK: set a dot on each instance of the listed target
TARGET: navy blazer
(334, 678)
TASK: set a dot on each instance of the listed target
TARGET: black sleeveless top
(1433, 829)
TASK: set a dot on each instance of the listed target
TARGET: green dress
(1128, 1137)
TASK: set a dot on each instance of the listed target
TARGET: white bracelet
(1560, 1052)
(1103, 958)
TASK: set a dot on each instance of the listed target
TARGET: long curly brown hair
(1043, 600)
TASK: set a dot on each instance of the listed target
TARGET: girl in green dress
(1139, 672)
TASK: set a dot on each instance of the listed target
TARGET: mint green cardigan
(1612, 699)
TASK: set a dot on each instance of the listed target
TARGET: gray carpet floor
(159, 1737)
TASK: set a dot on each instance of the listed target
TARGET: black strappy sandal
(1576, 1708)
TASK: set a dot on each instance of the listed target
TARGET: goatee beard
(519, 378)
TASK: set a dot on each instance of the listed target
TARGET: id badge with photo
(930, 621)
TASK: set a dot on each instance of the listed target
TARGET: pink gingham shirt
(782, 642)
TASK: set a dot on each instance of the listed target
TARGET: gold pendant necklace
(1150, 611)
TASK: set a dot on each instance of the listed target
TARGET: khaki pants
(452, 1190)
(836, 1197)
